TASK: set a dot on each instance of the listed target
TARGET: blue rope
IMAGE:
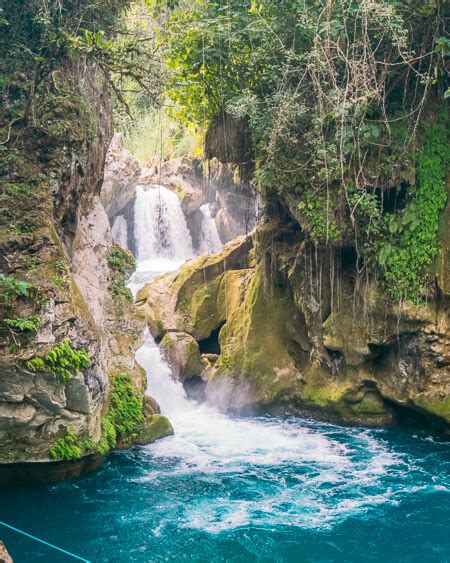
(44, 542)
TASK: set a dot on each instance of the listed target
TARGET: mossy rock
(182, 353)
(156, 427)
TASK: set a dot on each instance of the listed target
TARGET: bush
(11, 288)
(24, 324)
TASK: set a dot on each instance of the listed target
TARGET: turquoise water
(264, 490)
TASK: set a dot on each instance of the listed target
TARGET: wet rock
(182, 353)
(150, 406)
(156, 427)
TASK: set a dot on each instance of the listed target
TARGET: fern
(62, 361)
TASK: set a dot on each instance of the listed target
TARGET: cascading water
(163, 241)
(210, 242)
(160, 227)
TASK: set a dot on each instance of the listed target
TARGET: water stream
(228, 489)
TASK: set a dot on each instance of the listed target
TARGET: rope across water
(43, 541)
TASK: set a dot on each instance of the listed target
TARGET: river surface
(226, 489)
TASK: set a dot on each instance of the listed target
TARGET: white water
(291, 459)
(119, 231)
(163, 241)
(210, 242)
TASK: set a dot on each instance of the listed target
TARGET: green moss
(157, 426)
(62, 361)
(438, 407)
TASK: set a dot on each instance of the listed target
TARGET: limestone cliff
(285, 344)
(67, 327)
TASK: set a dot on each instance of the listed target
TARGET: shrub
(11, 288)
(24, 324)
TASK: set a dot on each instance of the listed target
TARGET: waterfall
(210, 242)
(119, 231)
(259, 472)
(163, 241)
(160, 228)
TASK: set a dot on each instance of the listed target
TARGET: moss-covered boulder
(156, 427)
(196, 299)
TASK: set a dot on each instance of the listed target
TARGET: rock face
(182, 353)
(285, 344)
(67, 323)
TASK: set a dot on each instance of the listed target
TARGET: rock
(183, 176)
(77, 396)
(122, 174)
(228, 140)
(150, 406)
(281, 353)
(4, 555)
(65, 259)
(182, 354)
(156, 426)
(197, 298)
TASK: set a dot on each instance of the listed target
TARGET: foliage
(41, 40)
(334, 94)
(23, 324)
(410, 242)
(62, 361)
(318, 220)
(125, 417)
(11, 288)
(108, 437)
(70, 447)
(122, 264)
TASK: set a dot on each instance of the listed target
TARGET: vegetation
(338, 97)
(62, 361)
(12, 288)
(122, 264)
(23, 324)
(70, 447)
(125, 417)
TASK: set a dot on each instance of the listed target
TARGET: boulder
(150, 406)
(197, 298)
(182, 353)
(156, 426)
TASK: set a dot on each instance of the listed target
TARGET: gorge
(224, 325)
